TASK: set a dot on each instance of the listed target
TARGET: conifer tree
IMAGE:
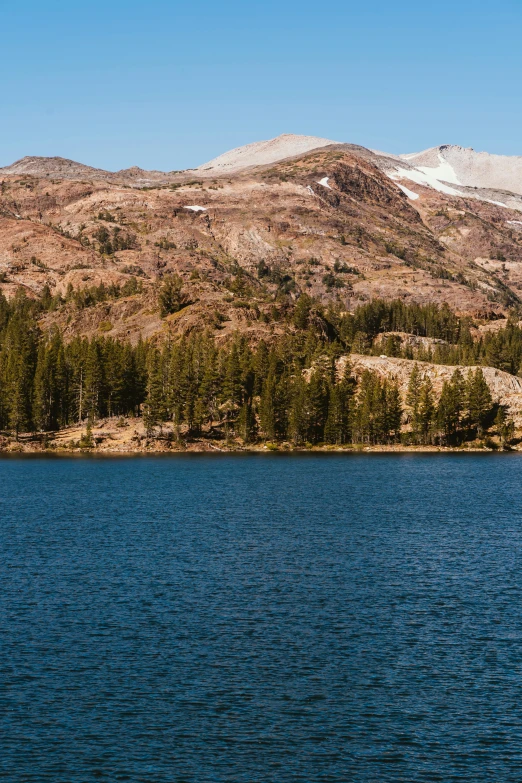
(20, 347)
(267, 414)
(170, 296)
(247, 423)
(393, 410)
(43, 391)
(450, 407)
(232, 388)
(413, 397)
(261, 364)
(317, 406)
(426, 410)
(299, 415)
(479, 401)
(505, 426)
(94, 380)
(154, 405)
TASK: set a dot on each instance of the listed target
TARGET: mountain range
(448, 168)
(260, 225)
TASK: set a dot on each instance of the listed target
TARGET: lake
(265, 618)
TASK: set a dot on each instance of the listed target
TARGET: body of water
(261, 618)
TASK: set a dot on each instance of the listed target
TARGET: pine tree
(450, 406)
(20, 345)
(368, 413)
(267, 415)
(426, 410)
(504, 425)
(337, 427)
(208, 395)
(154, 406)
(43, 391)
(317, 404)
(170, 296)
(446, 415)
(94, 379)
(299, 414)
(479, 401)
(247, 423)
(232, 387)
(393, 410)
(413, 397)
(261, 364)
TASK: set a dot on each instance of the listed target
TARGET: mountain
(456, 171)
(63, 168)
(250, 234)
(261, 153)
(449, 169)
(257, 154)
(52, 167)
(463, 166)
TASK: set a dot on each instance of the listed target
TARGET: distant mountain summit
(51, 167)
(448, 169)
(63, 168)
(463, 166)
(261, 153)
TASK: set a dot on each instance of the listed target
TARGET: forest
(287, 389)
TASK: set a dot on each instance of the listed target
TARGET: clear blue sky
(170, 85)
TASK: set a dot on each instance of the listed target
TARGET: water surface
(261, 618)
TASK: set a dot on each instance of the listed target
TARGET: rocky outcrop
(505, 389)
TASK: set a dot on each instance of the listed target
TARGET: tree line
(352, 332)
(292, 390)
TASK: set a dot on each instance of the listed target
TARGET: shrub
(171, 297)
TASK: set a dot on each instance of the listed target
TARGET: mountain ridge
(340, 223)
(448, 168)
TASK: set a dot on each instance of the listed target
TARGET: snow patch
(324, 182)
(309, 190)
(196, 208)
(471, 169)
(424, 178)
(514, 222)
(443, 171)
(497, 203)
(409, 193)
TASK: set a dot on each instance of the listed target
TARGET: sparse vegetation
(110, 242)
(171, 296)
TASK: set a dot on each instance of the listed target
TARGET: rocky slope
(505, 389)
(261, 153)
(329, 222)
(463, 166)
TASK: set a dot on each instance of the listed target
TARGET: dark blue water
(261, 618)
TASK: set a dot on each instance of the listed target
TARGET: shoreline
(20, 449)
(118, 436)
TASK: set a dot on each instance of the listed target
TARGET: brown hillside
(261, 238)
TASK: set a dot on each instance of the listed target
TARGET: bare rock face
(505, 389)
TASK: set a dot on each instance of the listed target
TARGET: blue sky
(170, 85)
